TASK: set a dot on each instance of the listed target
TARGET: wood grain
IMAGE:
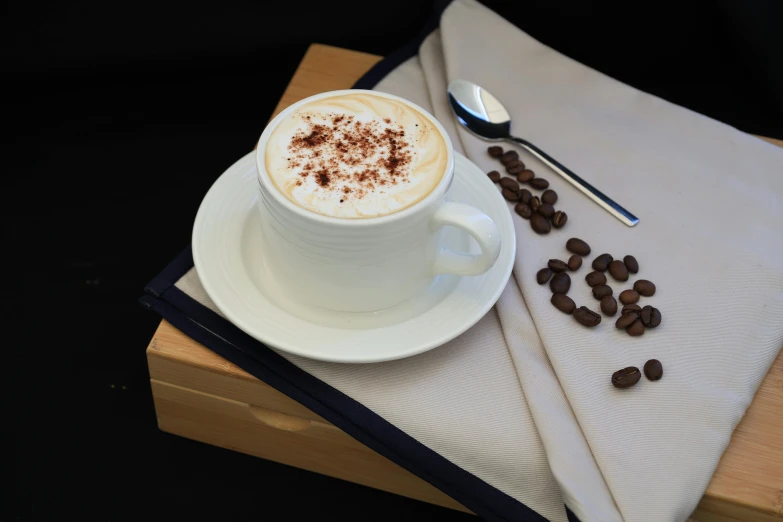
(325, 68)
(308, 444)
(747, 486)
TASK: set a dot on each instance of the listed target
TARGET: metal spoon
(483, 115)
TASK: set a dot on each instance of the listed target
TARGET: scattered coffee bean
(618, 270)
(653, 369)
(539, 183)
(511, 195)
(515, 167)
(563, 303)
(549, 196)
(631, 264)
(651, 316)
(625, 320)
(595, 278)
(523, 210)
(644, 287)
(560, 283)
(534, 203)
(574, 262)
(609, 305)
(632, 308)
(543, 275)
(626, 377)
(586, 317)
(494, 176)
(510, 184)
(601, 263)
(525, 195)
(577, 246)
(559, 219)
(629, 296)
(601, 291)
(526, 175)
(546, 210)
(636, 328)
(509, 156)
(555, 265)
(539, 224)
(495, 151)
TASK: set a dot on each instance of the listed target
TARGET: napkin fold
(521, 406)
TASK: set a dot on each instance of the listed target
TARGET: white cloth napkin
(523, 400)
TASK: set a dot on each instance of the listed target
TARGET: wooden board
(297, 441)
(747, 486)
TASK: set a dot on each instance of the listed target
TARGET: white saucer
(228, 251)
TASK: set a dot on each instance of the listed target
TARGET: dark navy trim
(171, 274)
(409, 50)
(228, 341)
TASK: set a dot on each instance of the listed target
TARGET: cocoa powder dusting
(337, 149)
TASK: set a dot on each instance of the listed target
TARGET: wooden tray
(203, 397)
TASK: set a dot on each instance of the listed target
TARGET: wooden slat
(308, 444)
(747, 486)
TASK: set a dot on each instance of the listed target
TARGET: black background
(121, 115)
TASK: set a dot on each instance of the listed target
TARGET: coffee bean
(511, 195)
(494, 176)
(651, 316)
(515, 167)
(574, 262)
(526, 175)
(559, 219)
(509, 156)
(618, 270)
(495, 151)
(560, 283)
(549, 196)
(577, 246)
(595, 278)
(601, 263)
(636, 328)
(555, 265)
(539, 223)
(631, 264)
(510, 184)
(653, 369)
(625, 320)
(629, 296)
(626, 377)
(644, 287)
(609, 305)
(523, 210)
(586, 317)
(543, 275)
(563, 303)
(546, 210)
(539, 183)
(525, 195)
(534, 203)
(601, 291)
(632, 308)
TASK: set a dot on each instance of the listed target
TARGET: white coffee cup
(364, 265)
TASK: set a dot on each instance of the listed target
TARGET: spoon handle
(590, 191)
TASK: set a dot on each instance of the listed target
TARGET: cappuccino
(356, 155)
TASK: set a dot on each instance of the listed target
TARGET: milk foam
(355, 156)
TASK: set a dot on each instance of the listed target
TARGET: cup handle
(478, 225)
